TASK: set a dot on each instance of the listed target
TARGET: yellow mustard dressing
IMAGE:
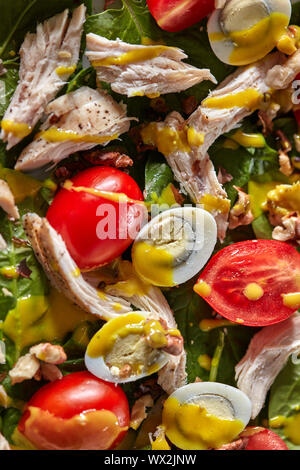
(153, 264)
(43, 318)
(258, 195)
(204, 361)
(129, 282)
(9, 272)
(160, 442)
(21, 185)
(202, 288)
(208, 324)
(248, 140)
(54, 134)
(284, 199)
(167, 197)
(165, 139)
(64, 70)
(213, 203)
(250, 98)
(18, 129)
(290, 425)
(190, 427)
(195, 138)
(256, 42)
(133, 57)
(253, 291)
(291, 300)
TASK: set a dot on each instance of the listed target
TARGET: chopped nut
(125, 371)
(50, 372)
(25, 369)
(47, 352)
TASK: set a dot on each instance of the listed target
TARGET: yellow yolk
(253, 291)
(63, 70)
(18, 129)
(208, 324)
(291, 300)
(291, 426)
(204, 361)
(165, 139)
(59, 135)
(213, 203)
(250, 98)
(153, 264)
(202, 288)
(132, 57)
(190, 427)
(248, 140)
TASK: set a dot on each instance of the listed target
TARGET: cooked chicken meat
(4, 445)
(136, 70)
(77, 121)
(267, 354)
(48, 58)
(62, 271)
(7, 201)
(281, 75)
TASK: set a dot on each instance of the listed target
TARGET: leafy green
(285, 396)
(10, 420)
(295, 18)
(8, 84)
(262, 227)
(158, 175)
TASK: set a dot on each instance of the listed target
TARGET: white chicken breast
(267, 354)
(77, 121)
(7, 201)
(48, 58)
(137, 70)
(221, 112)
(281, 75)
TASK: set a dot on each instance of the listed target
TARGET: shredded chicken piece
(281, 75)
(139, 410)
(4, 399)
(223, 176)
(4, 445)
(25, 369)
(165, 73)
(289, 229)
(50, 372)
(44, 57)
(220, 3)
(7, 200)
(241, 213)
(47, 352)
(285, 163)
(77, 121)
(58, 265)
(267, 354)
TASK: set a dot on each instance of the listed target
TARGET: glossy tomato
(265, 440)
(176, 15)
(95, 228)
(247, 282)
(75, 394)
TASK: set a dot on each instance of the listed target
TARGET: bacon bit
(266, 123)
(189, 104)
(125, 371)
(62, 174)
(23, 270)
(102, 157)
(47, 352)
(50, 372)
(177, 196)
(239, 444)
(138, 412)
(174, 346)
(241, 213)
(107, 3)
(223, 176)
(159, 105)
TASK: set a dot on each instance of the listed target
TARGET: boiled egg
(128, 348)
(205, 415)
(174, 246)
(244, 31)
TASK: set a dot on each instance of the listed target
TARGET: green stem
(6, 43)
(216, 358)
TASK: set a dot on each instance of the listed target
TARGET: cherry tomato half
(97, 229)
(74, 394)
(176, 15)
(247, 282)
(265, 440)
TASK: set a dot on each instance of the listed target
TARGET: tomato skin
(266, 440)
(274, 265)
(74, 216)
(176, 15)
(76, 393)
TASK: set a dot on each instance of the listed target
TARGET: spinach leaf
(10, 420)
(8, 84)
(158, 175)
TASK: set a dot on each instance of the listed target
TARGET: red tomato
(96, 229)
(272, 265)
(265, 440)
(176, 15)
(77, 393)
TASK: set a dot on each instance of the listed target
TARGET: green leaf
(158, 175)
(10, 420)
(262, 227)
(8, 84)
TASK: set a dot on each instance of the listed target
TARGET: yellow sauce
(59, 135)
(76, 272)
(253, 291)
(160, 442)
(195, 138)
(230, 144)
(153, 264)
(204, 361)
(129, 282)
(39, 318)
(202, 288)
(213, 203)
(133, 57)
(18, 129)
(258, 195)
(63, 70)
(165, 139)
(291, 300)
(284, 199)
(167, 197)
(208, 324)
(291, 426)
(250, 98)
(190, 427)
(21, 185)
(248, 140)
(9, 272)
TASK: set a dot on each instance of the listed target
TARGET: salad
(150, 225)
